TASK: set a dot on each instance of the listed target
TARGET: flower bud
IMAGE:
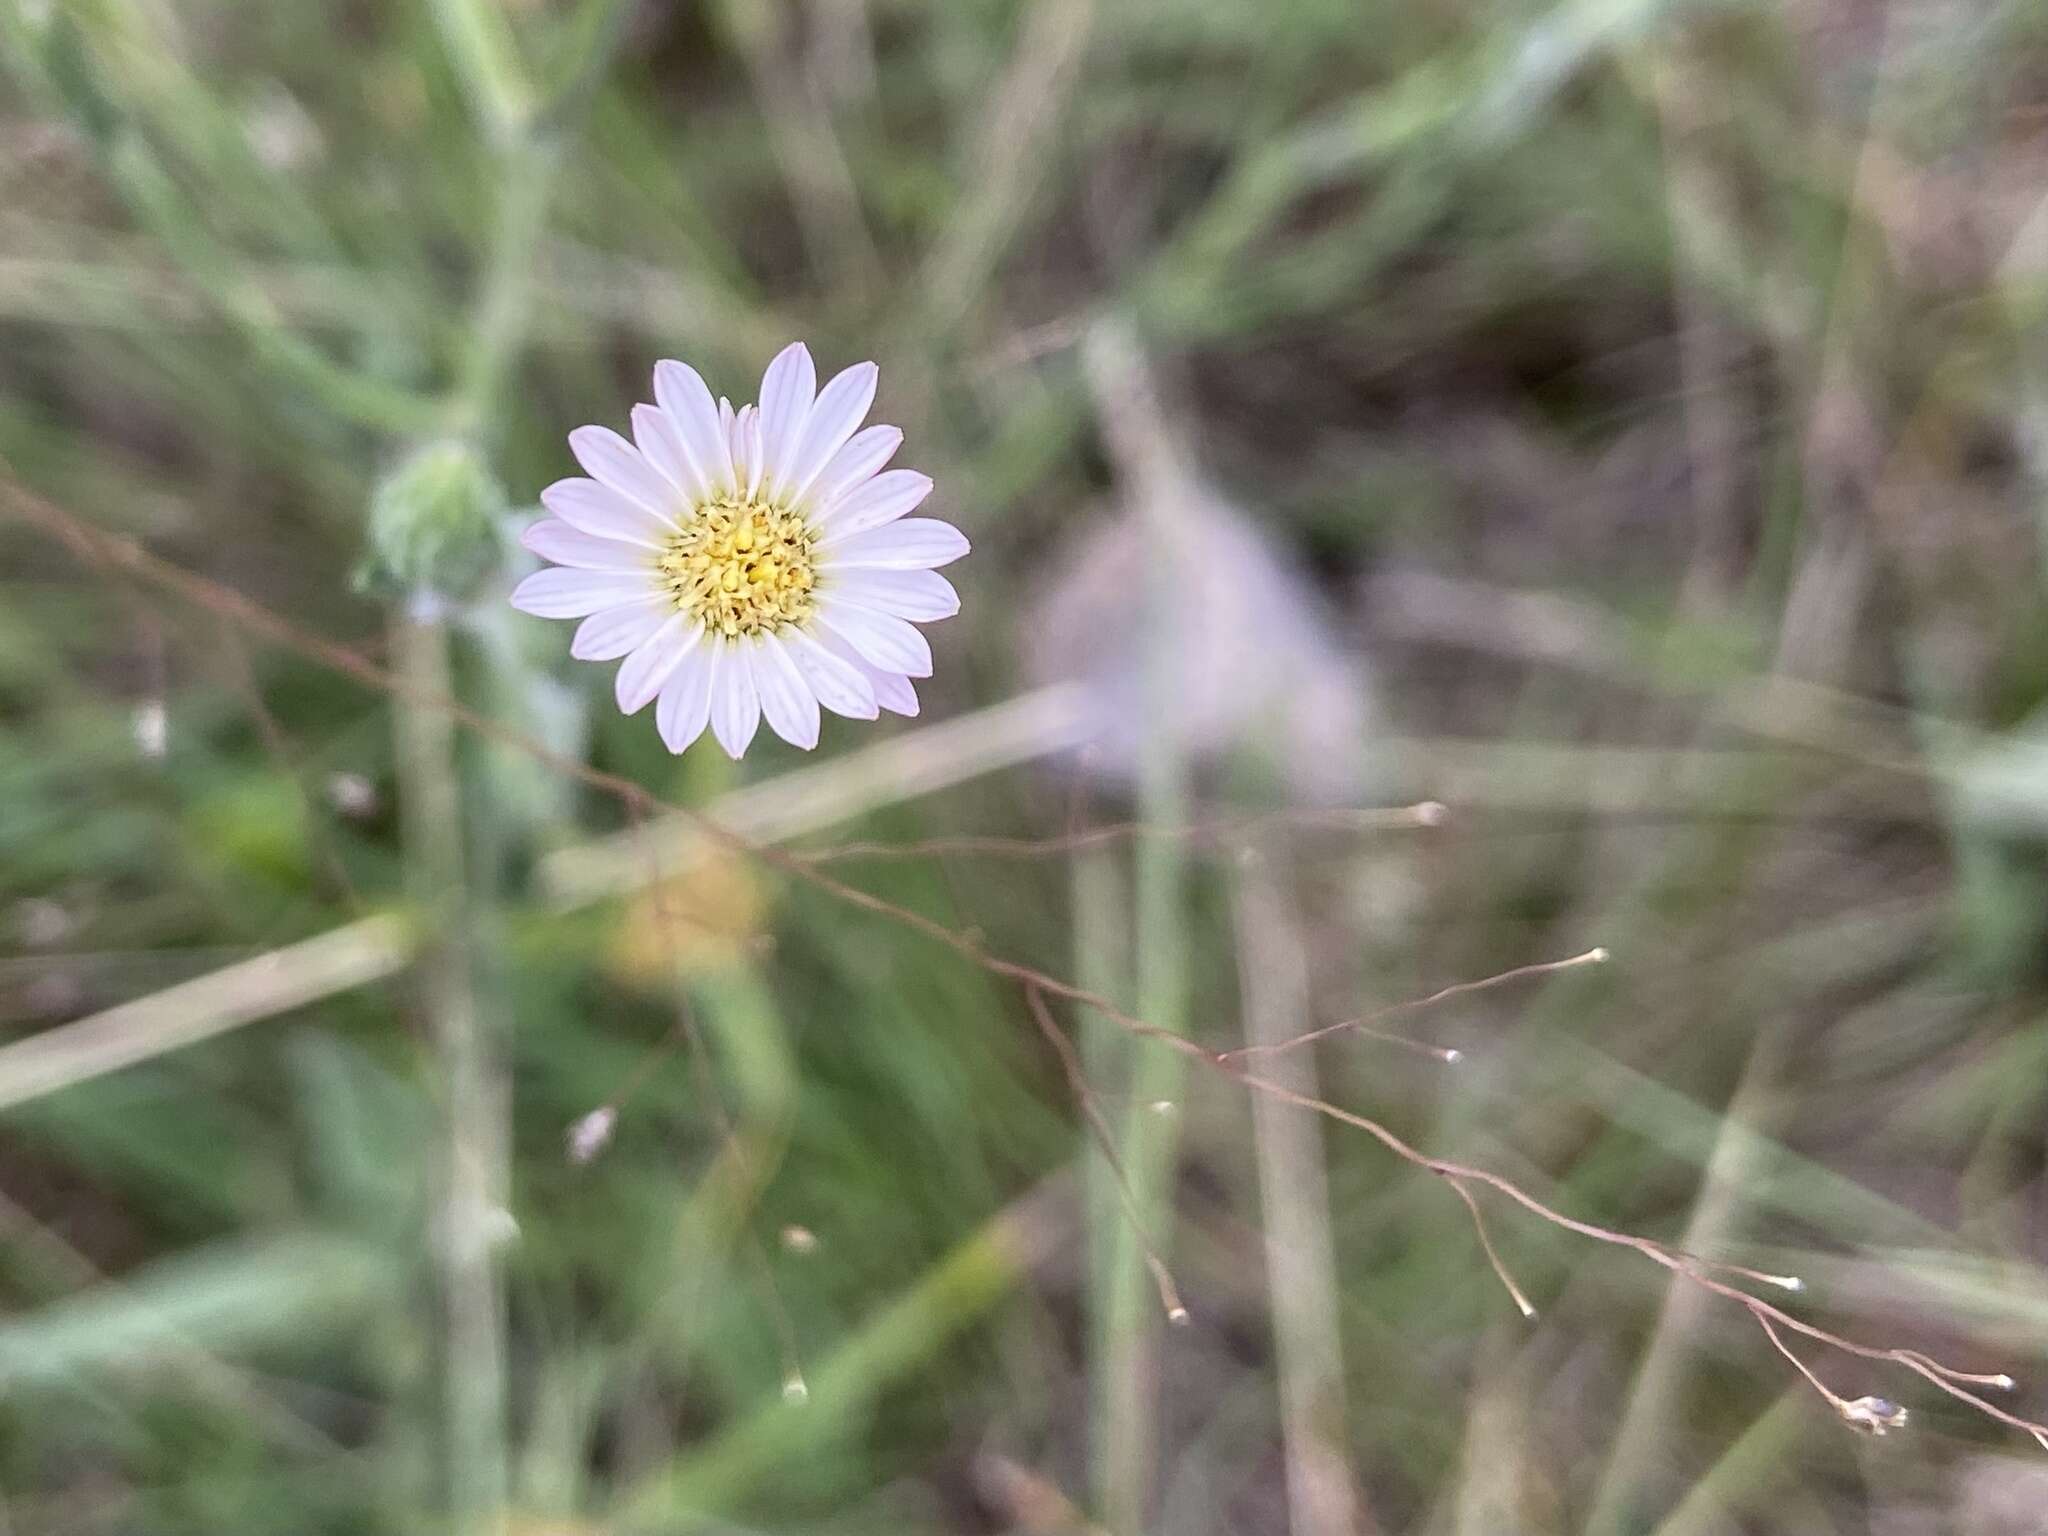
(433, 526)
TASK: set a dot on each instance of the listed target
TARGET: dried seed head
(1873, 1415)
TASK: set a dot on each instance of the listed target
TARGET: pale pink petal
(642, 673)
(881, 500)
(681, 393)
(612, 461)
(561, 593)
(892, 690)
(787, 390)
(598, 510)
(839, 682)
(660, 442)
(757, 452)
(610, 634)
(841, 407)
(553, 539)
(881, 641)
(787, 702)
(920, 596)
(860, 460)
(909, 544)
(684, 708)
(746, 449)
(735, 707)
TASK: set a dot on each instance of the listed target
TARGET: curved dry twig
(1949, 1378)
(1084, 1096)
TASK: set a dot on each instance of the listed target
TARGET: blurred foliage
(1652, 390)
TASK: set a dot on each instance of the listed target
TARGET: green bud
(433, 526)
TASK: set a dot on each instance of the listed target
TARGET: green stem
(480, 46)
(474, 1152)
(1151, 1140)
(478, 1096)
(1102, 963)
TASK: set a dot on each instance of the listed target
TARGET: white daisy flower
(747, 563)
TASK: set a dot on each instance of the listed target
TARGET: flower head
(747, 563)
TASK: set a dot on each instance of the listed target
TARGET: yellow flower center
(741, 567)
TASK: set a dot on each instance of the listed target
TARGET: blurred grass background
(1622, 421)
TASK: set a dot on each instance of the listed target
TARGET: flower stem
(472, 1213)
(1128, 1377)
(473, 1154)
(1151, 1141)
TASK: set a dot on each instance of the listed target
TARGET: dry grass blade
(283, 979)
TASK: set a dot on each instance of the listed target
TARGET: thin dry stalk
(806, 148)
(1008, 157)
(1361, 1024)
(1226, 833)
(1492, 1255)
(1323, 1497)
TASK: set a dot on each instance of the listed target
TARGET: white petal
(598, 510)
(911, 544)
(894, 693)
(881, 500)
(840, 683)
(642, 673)
(787, 390)
(612, 632)
(685, 705)
(883, 642)
(613, 461)
(892, 690)
(746, 449)
(841, 407)
(683, 396)
(735, 707)
(661, 444)
(787, 702)
(553, 539)
(860, 460)
(757, 453)
(561, 593)
(920, 596)
(725, 417)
